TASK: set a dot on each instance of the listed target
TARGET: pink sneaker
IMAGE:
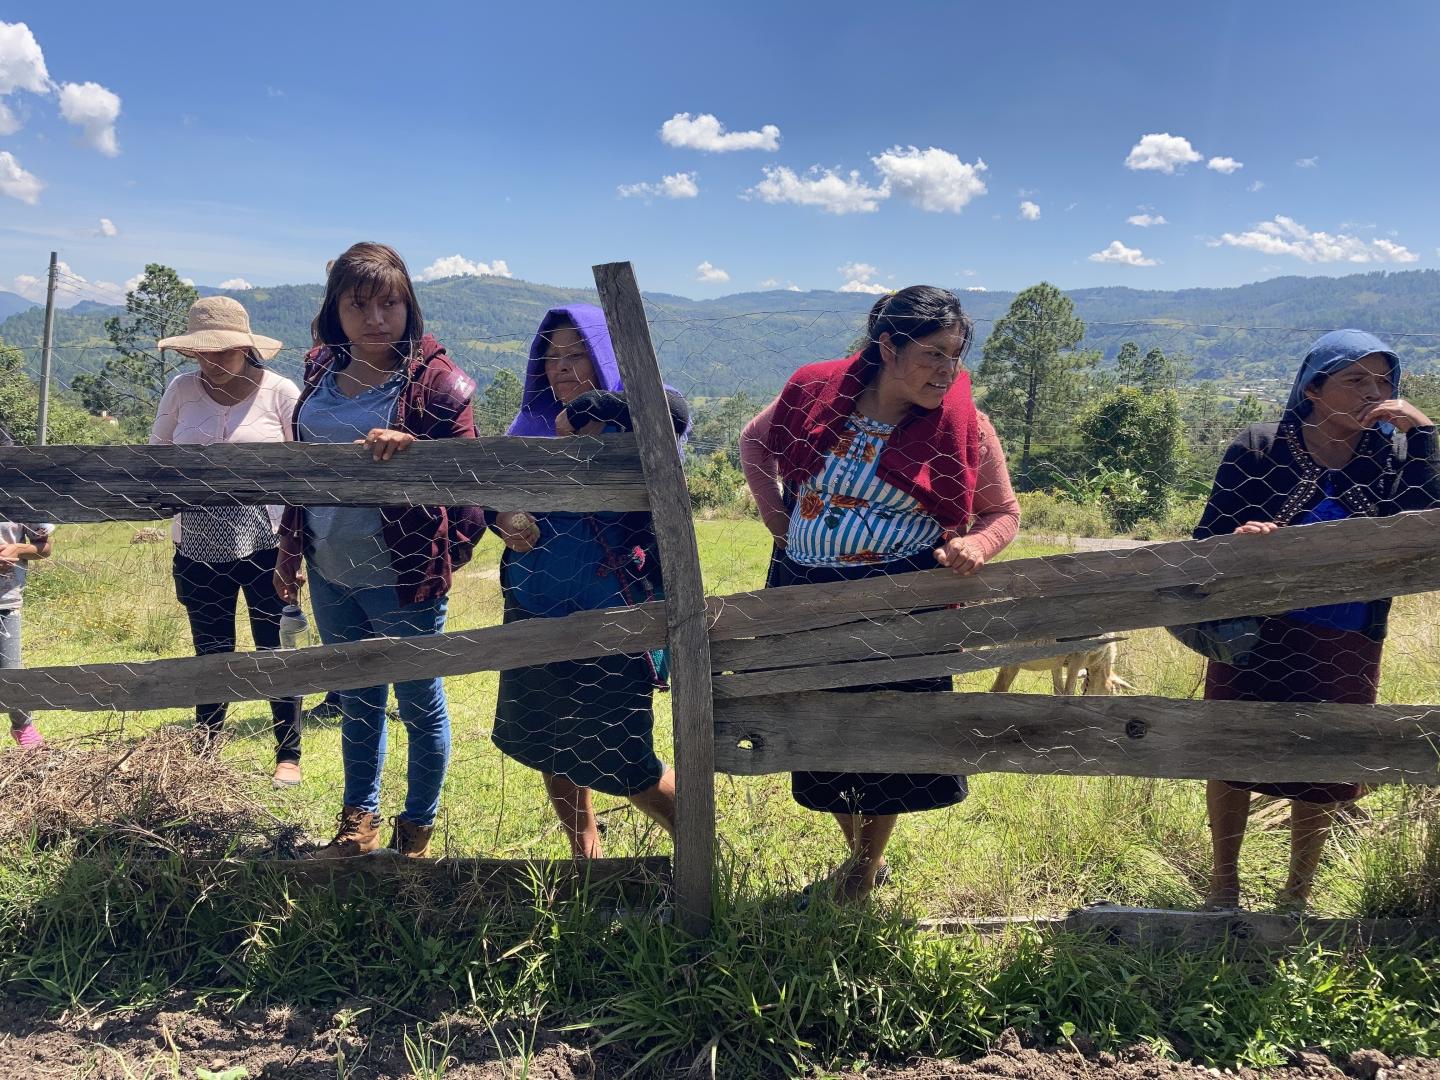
(27, 737)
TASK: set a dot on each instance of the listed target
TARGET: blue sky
(254, 142)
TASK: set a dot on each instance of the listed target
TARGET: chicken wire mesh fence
(1083, 451)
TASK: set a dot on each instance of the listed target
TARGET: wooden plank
(1161, 928)
(1274, 580)
(248, 676)
(689, 642)
(867, 672)
(1178, 564)
(126, 483)
(889, 731)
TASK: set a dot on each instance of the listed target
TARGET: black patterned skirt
(869, 794)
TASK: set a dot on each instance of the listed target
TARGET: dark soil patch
(283, 1043)
(1010, 1060)
(274, 1044)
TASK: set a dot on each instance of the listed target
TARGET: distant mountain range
(11, 303)
(752, 341)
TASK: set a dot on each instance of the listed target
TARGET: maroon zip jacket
(427, 543)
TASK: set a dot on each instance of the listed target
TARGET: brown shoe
(287, 775)
(358, 834)
(412, 841)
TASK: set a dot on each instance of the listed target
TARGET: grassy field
(774, 990)
(1018, 845)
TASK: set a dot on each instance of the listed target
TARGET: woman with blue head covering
(1346, 446)
(582, 724)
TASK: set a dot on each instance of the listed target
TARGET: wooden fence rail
(131, 483)
(886, 731)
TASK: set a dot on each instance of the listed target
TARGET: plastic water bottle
(293, 625)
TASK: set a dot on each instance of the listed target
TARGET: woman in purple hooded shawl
(583, 724)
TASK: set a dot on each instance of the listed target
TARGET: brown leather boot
(358, 834)
(410, 840)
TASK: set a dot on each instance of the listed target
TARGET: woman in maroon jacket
(377, 378)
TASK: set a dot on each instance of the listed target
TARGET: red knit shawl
(933, 455)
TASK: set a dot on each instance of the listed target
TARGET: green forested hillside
(751, 341)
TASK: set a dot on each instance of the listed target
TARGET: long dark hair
(913, 313)
(367, 268)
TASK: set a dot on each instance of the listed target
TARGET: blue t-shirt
(1354, 615)
(346, 544)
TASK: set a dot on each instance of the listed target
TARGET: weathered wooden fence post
(690, 693)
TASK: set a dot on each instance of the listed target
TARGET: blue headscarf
(1336, 350)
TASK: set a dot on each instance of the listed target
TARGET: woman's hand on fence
(1256, 528)
(518, 530)
(1396, 411)
(288, 583)
(961, 554)
(385, 443)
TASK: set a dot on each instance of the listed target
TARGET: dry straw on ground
(159, 792)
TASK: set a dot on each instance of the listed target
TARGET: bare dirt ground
(181, 1041)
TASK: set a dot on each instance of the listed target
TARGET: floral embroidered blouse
(846, 514)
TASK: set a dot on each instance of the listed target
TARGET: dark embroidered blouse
(1267, 475)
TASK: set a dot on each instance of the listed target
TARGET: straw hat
(217, 323)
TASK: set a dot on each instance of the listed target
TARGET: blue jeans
(10, 656)
(343, 614)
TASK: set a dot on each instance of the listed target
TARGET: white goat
(1097, 665)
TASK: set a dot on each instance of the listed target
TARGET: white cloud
(976, 288)
(705, 132)
(1226, 165)
(239, 284)
(1256, 185)
(274, 92)
(827, 189)
(710, 274)
(107, 227)
(459, 266)
(1161, 153)
(932, 179)
(1307, 162)
(16, 182)
(675, 186)
(969, 273)
(858, 275)
(132, 283)
(1146, 220)
(22, 64)
(1029, 211)
(29, 286)
(792, 287)
(1125, 256)
(9, 122)
(1286, 236)
(91, 107)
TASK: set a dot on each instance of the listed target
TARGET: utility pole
(45, 352)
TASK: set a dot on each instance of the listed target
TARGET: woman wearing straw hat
(223, 551)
